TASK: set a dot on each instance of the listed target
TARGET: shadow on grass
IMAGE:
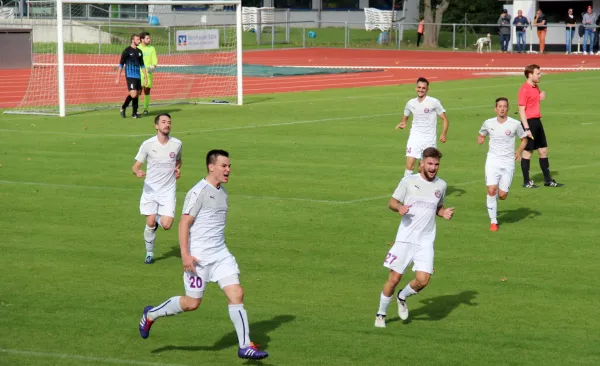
(438, 308)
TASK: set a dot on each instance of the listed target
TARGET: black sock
(135, 105)
(525, 169)
(126, 104)
(545, 165)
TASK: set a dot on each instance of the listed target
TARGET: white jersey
(425, 116)
(161, 161)
(502, 140)
(208, 205)
(418, 226)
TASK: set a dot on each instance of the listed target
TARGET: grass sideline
(309, 225)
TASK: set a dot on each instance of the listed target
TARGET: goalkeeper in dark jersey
(133, 61)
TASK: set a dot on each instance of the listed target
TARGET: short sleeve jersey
(425, 198)
(425, 115)
(502, 140)
(149, 55)
(529, 97)
(161, 161)
(208, 205)
(132, 60)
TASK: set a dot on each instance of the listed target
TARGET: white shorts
(158, 203)
(499, 176)
(415, 147)
(225, 272)
(402, 253)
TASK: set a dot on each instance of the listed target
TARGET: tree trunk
(432, 29)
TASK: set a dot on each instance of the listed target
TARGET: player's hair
(134, 35)
(530, 68)
(157, 118)
(212, 156)
(432, 152)
(423, 80)
(501, 99)
(144, 34)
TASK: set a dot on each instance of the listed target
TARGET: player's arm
(523, 117)
(483, 132)
(523, 136)
(136, 168)
(140, 158)
(445, 125)
(444, 212)
(154, 58)
(399, 196)
(191, 207)
(404, 119)
(143, 67)
(121, 65)
(178, 169)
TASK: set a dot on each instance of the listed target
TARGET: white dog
(484, 41)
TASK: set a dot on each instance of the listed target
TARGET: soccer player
(133, 62)
(205, 255)
(163, 156)
(418, 199)
(423, 133)
(529, 111)
(150, 61)
(501, 157)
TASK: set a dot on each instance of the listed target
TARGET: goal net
(75, 65)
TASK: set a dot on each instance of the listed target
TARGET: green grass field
(308, 222)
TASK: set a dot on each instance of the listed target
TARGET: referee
(133, 61)
(529, 111)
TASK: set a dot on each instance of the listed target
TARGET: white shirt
(502, 140)
(208, 205)
(425, 198)
(160, 171)
(425, 116)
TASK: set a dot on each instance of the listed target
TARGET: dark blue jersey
(133, 60)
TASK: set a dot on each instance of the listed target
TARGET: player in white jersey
(423, 133)
(419, 198)
(501, 157)
(162, 155)
(205, 255)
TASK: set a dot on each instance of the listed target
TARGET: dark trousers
(419, 35)
(504, 39)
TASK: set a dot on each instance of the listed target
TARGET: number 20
(195, 282)
(390, 255)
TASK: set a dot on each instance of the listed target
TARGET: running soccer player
(423, 133)
(150, 61)
(501, 157)
(163, 156)
(132, 60)
(205, 255)
(418, 198)
(529, 111)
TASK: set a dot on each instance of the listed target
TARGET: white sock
(407, 172)
(239, 318)
(169, 307)
(492, 206)
(158, 221)
(149, 236)
(384, 302)
(406, 292)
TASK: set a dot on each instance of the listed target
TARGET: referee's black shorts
(539, 136)
(134, 84)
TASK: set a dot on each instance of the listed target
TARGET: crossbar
(152, 2)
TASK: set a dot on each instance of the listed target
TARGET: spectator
(521, 24)
(571, 27)
(540, 22)
(420, 29)
(504, 23)
(589, 22)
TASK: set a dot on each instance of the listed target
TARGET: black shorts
(539, 136)
(134, 84)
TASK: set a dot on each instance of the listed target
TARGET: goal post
(77, 46)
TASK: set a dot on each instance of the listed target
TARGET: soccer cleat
(137, 115)
(145, 113)
(149, 260)
(123, 113)
(553, 183)
(380, 321)
(529, 184)
(402, 309)
(145, 323)
(494, 227)
(252, 353)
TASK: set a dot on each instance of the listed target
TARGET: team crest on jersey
(507, 132)
(172, 155)
(426, 110)
(438, 193)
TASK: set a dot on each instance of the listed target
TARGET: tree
(433, 26)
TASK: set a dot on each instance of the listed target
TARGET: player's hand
(189, 263)
(177, 173)
(145, 82)
(401, 125)
(543, 95)
(117, 81)
(443, 138)
(517, 156)
(448, 213)
(403, 210)
(480, 139)
(140, 173)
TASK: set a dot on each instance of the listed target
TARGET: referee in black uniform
(132, 60)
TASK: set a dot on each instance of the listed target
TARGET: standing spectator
(540, 22)
(420, 29)
(504, 23)
(589, 22)
(571, 27)
(521, 24)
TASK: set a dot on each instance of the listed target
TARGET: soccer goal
(77, 46)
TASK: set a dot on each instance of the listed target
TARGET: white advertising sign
(192, 40)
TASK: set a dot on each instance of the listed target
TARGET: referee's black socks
(525, 163)
(135, 105)
(545, 166)
(126, 104)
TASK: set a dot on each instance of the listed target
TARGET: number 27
(390, 256)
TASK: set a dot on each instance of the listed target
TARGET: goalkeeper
(151, 62)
